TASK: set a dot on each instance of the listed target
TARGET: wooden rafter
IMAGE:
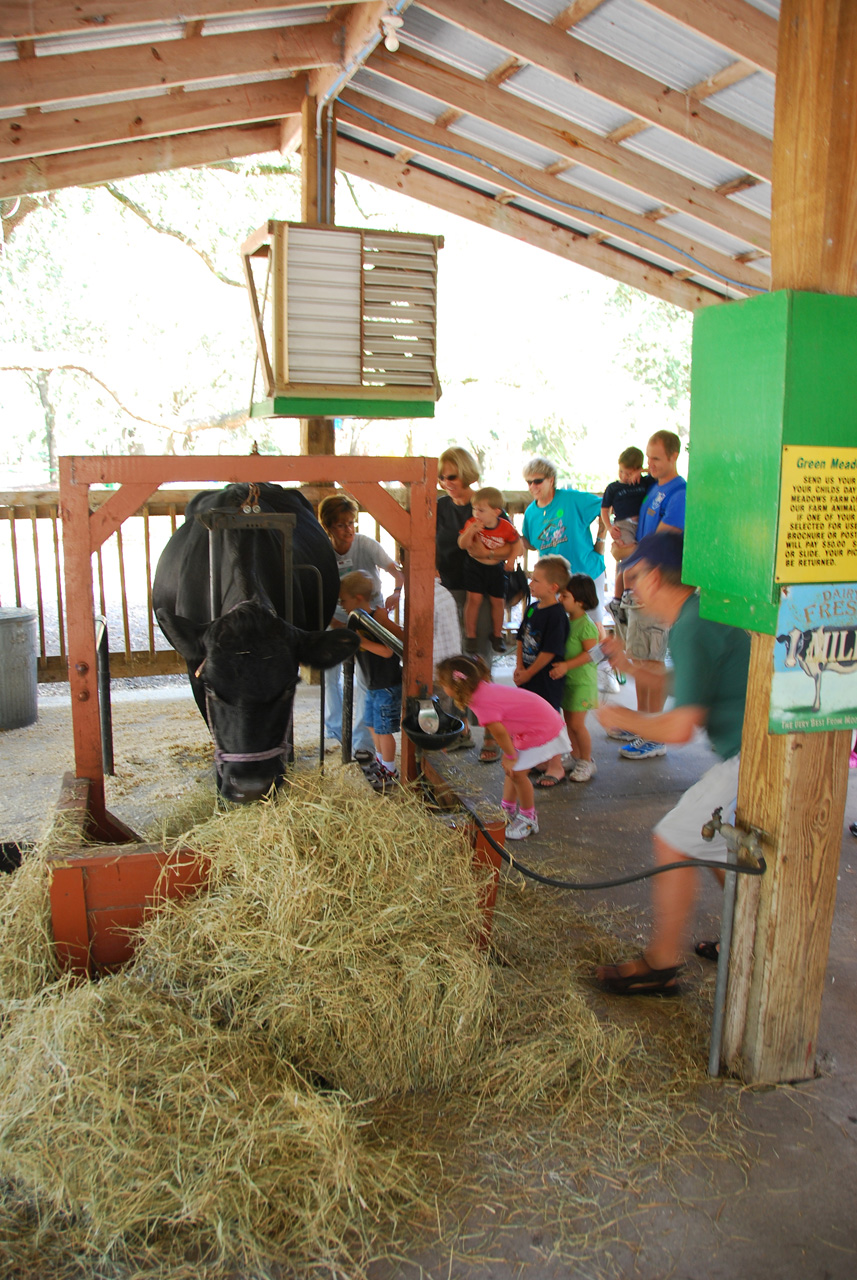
(588, 251)
(471, 96)
(26, 18)
(515, 31)
(523, 180)
(77, 76)
(37, 134)
(156, 155)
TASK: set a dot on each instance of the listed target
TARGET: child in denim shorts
(382, 673)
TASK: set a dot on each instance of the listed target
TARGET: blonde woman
(457, 473)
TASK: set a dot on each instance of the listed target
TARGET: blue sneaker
(640, 749)
(622, 735)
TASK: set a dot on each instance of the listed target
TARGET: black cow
(243, 665)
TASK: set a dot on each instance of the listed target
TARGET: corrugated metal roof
(705, 234)
(646, 40)
(600, 185)
(429, 34)
(635, 34)
(683, 157)
(420, 105)
(543, 89)
(509, 144)
(750, 102)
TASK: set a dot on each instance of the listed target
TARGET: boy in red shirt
(493, 545)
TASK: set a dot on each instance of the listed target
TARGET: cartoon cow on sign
(824, 649)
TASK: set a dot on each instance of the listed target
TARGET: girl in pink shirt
(528, 729)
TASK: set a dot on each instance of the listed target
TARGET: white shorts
(682, 826)
(558, 746)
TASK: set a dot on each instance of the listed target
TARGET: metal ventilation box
(345, 321)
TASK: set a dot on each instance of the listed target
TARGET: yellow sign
(817, 532)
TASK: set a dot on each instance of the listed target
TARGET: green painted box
(780, 369)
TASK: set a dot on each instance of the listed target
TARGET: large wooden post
(794, 786)
(317, 434)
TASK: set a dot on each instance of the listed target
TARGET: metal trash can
(19, 688)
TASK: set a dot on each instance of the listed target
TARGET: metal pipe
(105, 711)
(332, 93)
(347, 707)
(328, 167)
(726, 920)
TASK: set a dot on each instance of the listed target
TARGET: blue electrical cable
(575, 208)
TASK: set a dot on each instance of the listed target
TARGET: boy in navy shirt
(623, 499)
(542, 638)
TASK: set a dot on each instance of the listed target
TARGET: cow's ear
(325, 649)
(184, 635)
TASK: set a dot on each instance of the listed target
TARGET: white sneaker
(522, 827)
(583, 771)
(639, 749)
(607, 682)
(621, 735)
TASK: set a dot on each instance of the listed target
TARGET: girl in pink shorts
(528, 729)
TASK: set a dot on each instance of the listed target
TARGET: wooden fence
(31, 576)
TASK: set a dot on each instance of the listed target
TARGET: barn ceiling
(631, 136)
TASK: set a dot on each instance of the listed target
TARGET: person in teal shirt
(558, 522)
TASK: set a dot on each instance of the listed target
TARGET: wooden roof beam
(733, 24)
(515, 31)
(21, 18)
(76, 76)
(600, 214)
(38, 134)
(472, 96)
(588, 251)
(130, 159)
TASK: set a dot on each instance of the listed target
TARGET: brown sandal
(642, 982)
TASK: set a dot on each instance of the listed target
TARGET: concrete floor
(795, 1216)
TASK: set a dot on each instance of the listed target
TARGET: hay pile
(312, 1053)
(137, 1121)
(340, 929)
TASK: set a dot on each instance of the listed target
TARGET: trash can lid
(10, 614)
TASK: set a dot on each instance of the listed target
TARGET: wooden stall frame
(85, 531)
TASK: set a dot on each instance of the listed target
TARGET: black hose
(607, 884)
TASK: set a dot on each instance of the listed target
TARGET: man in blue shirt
(646, 636)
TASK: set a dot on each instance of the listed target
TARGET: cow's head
(791, 641)
(244, 668)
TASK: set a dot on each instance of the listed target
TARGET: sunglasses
(453, 476)
(537, 480)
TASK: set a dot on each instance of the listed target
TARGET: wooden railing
(31, 576)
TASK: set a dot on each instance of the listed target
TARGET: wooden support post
(793, 787)
(310, 160)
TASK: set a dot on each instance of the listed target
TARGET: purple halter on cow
(243, 664)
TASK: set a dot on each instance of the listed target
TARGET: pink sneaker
(852, 760)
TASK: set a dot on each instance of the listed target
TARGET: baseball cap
(660, 550)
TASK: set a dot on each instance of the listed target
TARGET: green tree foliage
(656, 352)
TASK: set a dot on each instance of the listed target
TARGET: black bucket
(449, 728)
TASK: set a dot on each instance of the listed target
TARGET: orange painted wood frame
(84, 531)
(101, 896)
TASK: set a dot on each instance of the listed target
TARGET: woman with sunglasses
(559, 522)
(457, 472)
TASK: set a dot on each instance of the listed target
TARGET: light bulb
(391, 41)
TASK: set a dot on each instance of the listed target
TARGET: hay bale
(27, 957)
(341, 927)
(136, 1121)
